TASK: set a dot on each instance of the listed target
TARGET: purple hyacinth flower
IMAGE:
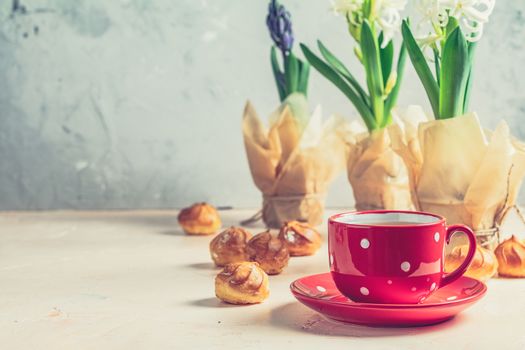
(280, 26)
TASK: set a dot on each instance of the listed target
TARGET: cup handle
(451, 277)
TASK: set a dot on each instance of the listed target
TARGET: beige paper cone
(262, 148)
(377, 174)
(291, 164)
(460, 171)
(306, 208)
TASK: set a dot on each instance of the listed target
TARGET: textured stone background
(137, 103)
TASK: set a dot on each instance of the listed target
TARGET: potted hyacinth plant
(455, 27)
(457, 168)
(294, 160)
(376, 173)
(292, 78)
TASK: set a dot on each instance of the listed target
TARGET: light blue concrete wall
(137, 103)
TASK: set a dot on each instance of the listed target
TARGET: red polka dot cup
(390, 256)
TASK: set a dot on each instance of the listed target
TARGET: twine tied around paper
(277, 209)
(490, 238)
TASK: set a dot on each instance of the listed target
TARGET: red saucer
(319, 293)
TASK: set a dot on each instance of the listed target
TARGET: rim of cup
(416, 218)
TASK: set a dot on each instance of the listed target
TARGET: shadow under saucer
(299, 318)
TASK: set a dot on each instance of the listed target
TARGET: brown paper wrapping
(294, 160)
(377, 174)
(460, 171)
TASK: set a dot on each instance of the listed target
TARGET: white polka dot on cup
(436, 236)
(365, 243)
(321, 289)
(364, 290)
(389, 282)
(413, 289)
(433, 286)
(405, 266)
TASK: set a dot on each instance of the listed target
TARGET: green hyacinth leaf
(278, 75)
(422, 69)
(391, 100)
(387, 58)
(437, 64)
(374, 76)
(329, 73)
(454, 75)
(367, 8)
(471, 50)
(452, 24)
(342, 70)
(291, 71)
(304, 75)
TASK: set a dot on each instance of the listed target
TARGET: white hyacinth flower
(346, 7)
(389, 17)
(433, 12)
(428, 40)
(472, 15)
(386, 14)
(426, 43)
(434, 16)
